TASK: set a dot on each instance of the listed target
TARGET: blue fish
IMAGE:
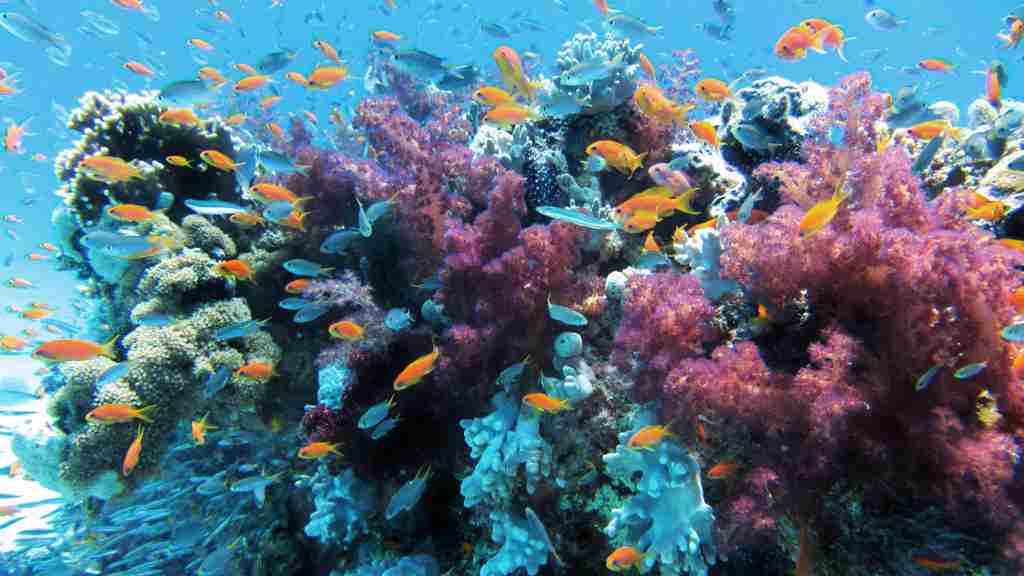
(337, 242)
(278, 211)
(408, 495)
(383, 428)
(238, 330)
(293, 303)
(213, 207)
(566, 316)
(279, 163)
(970, 371)
(216, 382)
(1013, 333)
(375, 414)
(926, 379)
(576, 217)
(365, 226)
(155, 320)
(113, 374)
(398, 319)
(311, 312)
(301, 267)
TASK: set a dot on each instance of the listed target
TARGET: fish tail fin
(327, 270)
(637, 164)
(841, 46)
(681, 110)
(143, 413)
(109, 348)
(683, 202)
(818, 39)
(301, 200)
(955, 133)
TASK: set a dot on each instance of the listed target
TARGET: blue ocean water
(103, 36)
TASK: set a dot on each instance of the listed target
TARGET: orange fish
(647, 67)
(990, 212)
(416, 370)
(705, 131)
(659, 200)
(199, 430)
(129, 4)
(236, 269)
(267, 102)
(269, 192)
(297, 286)
(1016, 368)
(130, 213)
(317, 450)
(795, 42)
(713, 90)
(1012, 244)
(296, 220)
(131, 457)
(276, 130)
(261, 371)
(235, 119)
(49, 247)
(994, 86)
(1012, 38)
(222, 16)
(298, 78)
(109, 169)
(35, 314)
(74, 350)
(38, 257)
(385, 36)
(325, 77)
(822, 213)
(246, 69)
(509, 115)
(327, 50)
(937, 565)
(617, 155)
(834, 37)
(641, 221)
(20, 283)
(493, 96)
(200, 44)
(625, 558)
(211, 75)
(723, 470)
(247, 219)
(346, 330)
(119, 414)
(9, 510)
(179, 117)
(253, 82)
(14, 135)
(548, 404)
(935, 65)
(310, 117)
(932, 128)
(650, 244)
(179, 161)
(218, 160)
(12, 343)
(654, 104)
(602, 6)
(138, 68)
(511, 68)
(649, 436)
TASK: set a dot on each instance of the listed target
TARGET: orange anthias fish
(129, 4)
(325, 77)
(712, 90)
(261, 371)
(119, 414)
(247, 69)
(705, 131)
(12, 344)
(298, 78)
(199, 430)
(651, 244)
(1012, 37)
(1012, 243)
(654, 104)
(35, 314)
(200, 44)
(276, 130)
(14, 135)
(994, 85)
(74, 350)
(544, 403)
(416, 370)
(179, 161)
(109, 169)
(296, 220)
(602, 6)
(935, 65)
(625, 558)
(130, 213)
(138, 68)
(236, 269)
(659, 199)
(327, 50)
(267, 102)
(990, 211)
(179, 117)
(617, 155)
(346, 330)
(385, 36)
(834, 37)
(218, 160)
(9, 510)
(509, 115)
(511, 68)
(795, 42)
(493, 96)
(212, 75)
(235, 119)
(297, 286)
(932, 128)
(131, 457)
(641, 221)
(723, 470)
(317, 450)
(647, 67)
(648, 437)
(20, 283)
(269, 192)
(937, 565)
(253, 82)
(822, 213)
(247, 219)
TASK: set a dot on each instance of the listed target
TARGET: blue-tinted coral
(668, 517)
(418, 565)
(522, 546)
(333, 380)
(344, 503)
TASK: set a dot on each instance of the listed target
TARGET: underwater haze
(546, 287)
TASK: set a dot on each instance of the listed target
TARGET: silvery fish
(590, 71)
(216, 382)
(420, 64)
(630, 27)
(311, 312)
(257, 485)
(238, 330)
(29, 30)
(155, 320)
(275, 61)
(576, 217)
(566, 316)
(753, 138)
(186, 93)
(301, 267)
(278, 211)
(337, 242)
(279, 163)
(213, 207)
(883, 20)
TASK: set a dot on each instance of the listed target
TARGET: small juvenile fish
(970, 371)
(376, 414)
(926, 379)
(301, 267)
(566, 316)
